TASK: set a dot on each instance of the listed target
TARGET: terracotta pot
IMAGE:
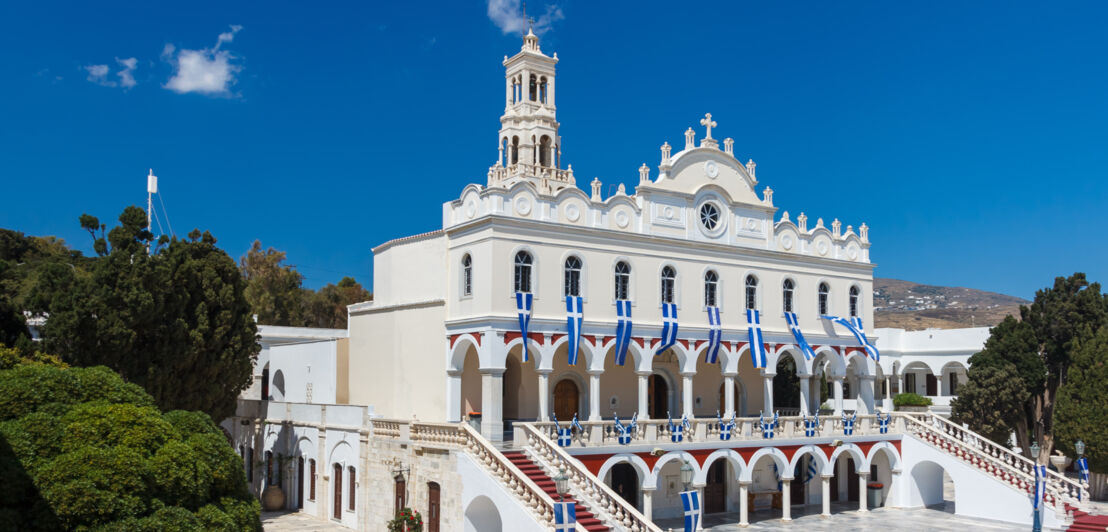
(273, 499)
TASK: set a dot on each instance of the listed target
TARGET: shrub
(910, 399)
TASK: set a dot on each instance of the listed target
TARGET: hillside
(913, 306)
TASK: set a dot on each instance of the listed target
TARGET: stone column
(826, 493)
(805, 394)
(887, 399)
(865, 394)
(700, 495)
(729, 395)
(838, 382)
(786, 500)
(492, 411)
(900, 382)
(454, 396)
(644, 389)
(686, 394)
(648, 504)
(594, 394)
(544, 393)
(863, 477)
(322, 469)
(767, 395)
(744, 504)
(550, 92)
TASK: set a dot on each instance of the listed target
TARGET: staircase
(1085, 522)
(585, 518)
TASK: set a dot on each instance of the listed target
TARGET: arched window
(353, 486)
(515, 150)
(523, 272)
(824, 294)
(311, 479)
(853, 301)
(787, 294)
(573, 277)
(623, 281)
(544, 151)
(751, 292)
(669, 277)
(533, 92)
(711, 282)
(265, 383)
(542, 89)
(467, 275)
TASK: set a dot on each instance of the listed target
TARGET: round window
(709, 216)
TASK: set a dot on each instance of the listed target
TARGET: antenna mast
(151, 189)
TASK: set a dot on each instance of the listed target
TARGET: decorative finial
(802, 222)
(622, 190)
(836, 227)
(863, 232)
(644, 173)
(596, 189)
(750, 167)
(709, 124)
(768, 196)
(729, 146)
(785, 216)
(819, 223)
(690, 138)
(665, 153)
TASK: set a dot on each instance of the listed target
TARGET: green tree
(171, 317)
(327, 307)
(1083, 401)
(992, 405)
(272, 287)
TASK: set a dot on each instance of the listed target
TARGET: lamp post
(1037, 523)
(1035, 452)
(1079, 446)
(561, 484)
(686, 474)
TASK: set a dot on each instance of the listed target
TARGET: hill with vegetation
(914, 306)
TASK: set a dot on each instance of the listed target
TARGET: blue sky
(971, 136)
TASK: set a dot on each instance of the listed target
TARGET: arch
(537, 354)
(668, 278)
(462, 346)
(788, 294)
(522, 268)
(639, 361)
(621, 277)
(585, 352)
(515, 149)
(573, 278)
(890, 452)
(823, 298)
(821, 457)
(568, 395)
(860, 462)
(481, 515)
(729, 455)
(341, 453)
(854, 304)
(828, 359)
(778, 457)
(926, 485)
(786, 383)
(671, 456)
(625, 458)
(661, 388)
(803, 367)
(466, 366)
(467, 275)
(711, 288)
(750, 292)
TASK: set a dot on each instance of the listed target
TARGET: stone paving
(286, 521)
(934, 519)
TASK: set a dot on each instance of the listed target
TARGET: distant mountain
(913, 306)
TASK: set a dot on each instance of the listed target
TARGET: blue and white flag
(1040, 485)
(754, 334)
(626, 433)
(855, 328)
(715, 336)
(794, 326)
(523, 310)
(1083, 469)
(669, 327)
(565, 516)
(767, 426)
(574, 316)
(676, 432)
(813, 469)
(690, 502)
(811, 426)
(565, 436)
(883, 422)
(777, 475)
(576, 424)
(848, 424)
(725, 429)
(623, 330)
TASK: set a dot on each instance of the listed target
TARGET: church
(549, 341)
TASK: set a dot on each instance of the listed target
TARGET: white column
(862, 478)
(700, 495)
(594, 395)
(838, 382)
(648, 504)
(686, 394)
(644, 389)
(826, 492)
(767, 395)
(805, 393)
(454, 397)
(729, 395)
(900, 382)
(550, 92)
(865, 394)
(544, 393)
(492, 411)
(744, 504)
(887, 399)
(786, 500)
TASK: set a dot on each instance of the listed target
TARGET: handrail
(598, 494)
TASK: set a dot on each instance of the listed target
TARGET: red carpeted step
(585, 518)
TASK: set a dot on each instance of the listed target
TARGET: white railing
(499, 173)
(605, 503)
(996, 460)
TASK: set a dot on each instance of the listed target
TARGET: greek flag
(855, 328)
(767, 426)
(690, 501)
(669, 327)
(626, 433)
(577, 425)
(1083, 469)
(574, 316)
(813, 470)
(676, 434)
(848, 424)
(523, 310)
(1040, 485)
(725, 428)
(754, 334)
(811, 426)
(715, 335)
(883, 420)
(794, 326)
(565, 516)
(565, 436)
(623, 330)
(777, 475)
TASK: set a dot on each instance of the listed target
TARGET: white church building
(691, 302)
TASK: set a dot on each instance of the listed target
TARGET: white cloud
(208, 71)
(127, 76)
(508, 16)
(98, 74)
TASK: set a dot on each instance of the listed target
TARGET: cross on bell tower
(529, 144)
(708, 123)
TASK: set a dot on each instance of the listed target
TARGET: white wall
(300, 365)
(479, 488)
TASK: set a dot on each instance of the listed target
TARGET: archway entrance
(566, 399)
(844, 487)
(658, 396)
(625, 482)
(786, 385)
(715, 490)
(932, 486)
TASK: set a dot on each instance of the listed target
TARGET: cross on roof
(708, 123)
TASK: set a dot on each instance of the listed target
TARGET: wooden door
(432, 507)
(796, 487)
(401, 494)
(932, 385)
(565, 400)
(299, 482)
(715, 491)
(336, 479)
(851, 481)
(658, 396)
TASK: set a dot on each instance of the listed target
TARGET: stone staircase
(1086, 522)
(585, 518)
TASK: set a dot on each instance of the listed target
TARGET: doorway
(715, 491)
(625, 482)
(337, 478)
(658, 396)
(432, 507)
(300, 483)
(566, 399)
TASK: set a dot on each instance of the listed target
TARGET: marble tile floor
(846, 517)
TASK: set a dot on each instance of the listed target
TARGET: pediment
(693, 170)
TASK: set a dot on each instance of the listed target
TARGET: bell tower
(529, 145)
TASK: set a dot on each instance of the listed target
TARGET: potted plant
(407, 520)
(911, 402)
